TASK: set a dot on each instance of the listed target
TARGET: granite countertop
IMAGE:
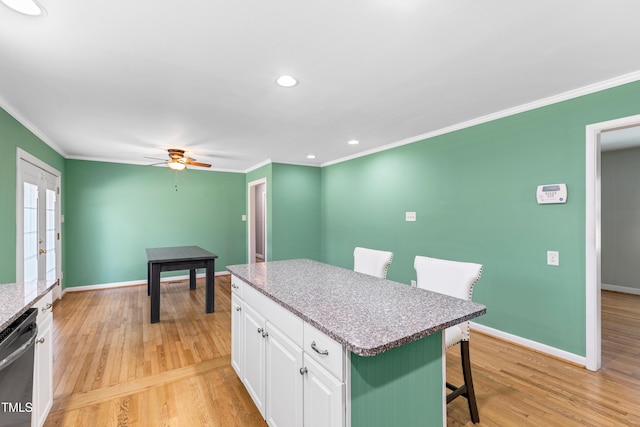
(366, 314)
(16, 298)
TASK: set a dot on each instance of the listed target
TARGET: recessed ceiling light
(354, 142)
(311, 156)
(285, 81)
(26, 7)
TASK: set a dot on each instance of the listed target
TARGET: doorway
(38, 254)
(257, 218)
(593, 272)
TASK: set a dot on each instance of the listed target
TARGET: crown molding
(565, 96)
(13, 112)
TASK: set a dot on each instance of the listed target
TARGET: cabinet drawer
(277, 315)
(237, 285)
(325, 350)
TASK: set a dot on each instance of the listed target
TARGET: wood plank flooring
(114, 368)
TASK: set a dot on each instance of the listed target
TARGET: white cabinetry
(284, 380)
(323, 396)
(237, 334)
(269, 351)
(253, 375)
(43, 363)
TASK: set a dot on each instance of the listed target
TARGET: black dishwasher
(16, 370)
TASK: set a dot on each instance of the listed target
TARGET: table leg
(155, 293)
(192, 279)
(148, 278)
(209, 298)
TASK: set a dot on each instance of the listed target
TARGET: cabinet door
(323, 397)
(284, 380)
(237, 338)
(42, 375)
(253, 352)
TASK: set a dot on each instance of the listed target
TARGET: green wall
(12, 136)
(296, 212)
(115, 211)
(474, 194)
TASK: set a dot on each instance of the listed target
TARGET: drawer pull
(40, 341)
(315, 348)
(47, 307)
(238, 308)
(265, 334)
(260, 330)
(234, 286)
(303, 371)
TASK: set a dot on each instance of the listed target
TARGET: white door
(38, 233)
(284, 380)
(253, 363)
(323, 397)
(237, 339)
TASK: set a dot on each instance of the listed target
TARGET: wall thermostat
(552, 193)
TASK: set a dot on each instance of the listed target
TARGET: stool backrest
(372, 262)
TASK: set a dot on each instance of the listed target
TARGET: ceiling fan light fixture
(25, 7)
(176, 166)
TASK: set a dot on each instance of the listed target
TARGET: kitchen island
(321, 345)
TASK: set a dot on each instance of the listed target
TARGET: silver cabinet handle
(47, 307)
(238, 308)
(315, 348)
(260, 330)
(265, 334)
(40, 341)
(234, 286)
(303, 371)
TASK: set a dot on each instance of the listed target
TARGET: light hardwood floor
(113, 368)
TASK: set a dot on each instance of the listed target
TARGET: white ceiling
(121, 80)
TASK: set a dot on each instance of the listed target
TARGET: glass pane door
(30, 232)
(39, 233)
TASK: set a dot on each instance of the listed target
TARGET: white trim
(592, 235)
(251, 224)
(585, 90)
(534, 345)
(4, 104)
(135, 283)
(258, 166)
(621, 289)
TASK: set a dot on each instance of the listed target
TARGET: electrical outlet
(410, 216)
(244, 217)
(553, 258)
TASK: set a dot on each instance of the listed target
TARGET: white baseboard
(534, 345)
(623, 289)
(133, 283)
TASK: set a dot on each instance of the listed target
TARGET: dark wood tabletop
(178, 253)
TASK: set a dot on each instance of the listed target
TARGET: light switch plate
(410, 216)
(553, 258)
(244, 217)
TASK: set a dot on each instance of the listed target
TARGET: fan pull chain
(176, 180)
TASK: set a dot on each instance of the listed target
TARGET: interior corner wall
(260, 173)
(115, 211)
(295, 212)
(620, 217)
(474, 194)
(14, 135)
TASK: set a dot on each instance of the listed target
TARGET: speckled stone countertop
(366, 314)
(16, 298)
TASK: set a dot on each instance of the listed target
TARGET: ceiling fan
(177, 160)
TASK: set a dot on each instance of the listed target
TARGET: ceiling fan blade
(202, 165)
(154, 158)
(160, 163)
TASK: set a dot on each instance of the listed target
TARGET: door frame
(251, 219)
(23, 155)
(593, 277)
